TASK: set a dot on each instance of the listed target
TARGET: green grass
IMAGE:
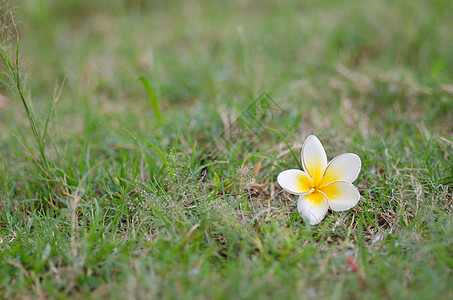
(110, 205)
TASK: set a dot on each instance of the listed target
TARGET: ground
(141, 140)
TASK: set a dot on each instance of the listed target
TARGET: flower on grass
(322, 185)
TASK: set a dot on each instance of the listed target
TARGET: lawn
(141, 142)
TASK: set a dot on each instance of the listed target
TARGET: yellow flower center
(318, 190)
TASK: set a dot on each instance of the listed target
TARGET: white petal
(344, 167)
(341, 195)
(295, 181)
(313, 206)
(314, 158)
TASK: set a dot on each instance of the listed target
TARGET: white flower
(322, 185)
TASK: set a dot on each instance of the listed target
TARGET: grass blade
(152, 98)
(289, 147)
(159, 152)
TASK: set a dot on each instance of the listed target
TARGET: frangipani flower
(322, 185)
